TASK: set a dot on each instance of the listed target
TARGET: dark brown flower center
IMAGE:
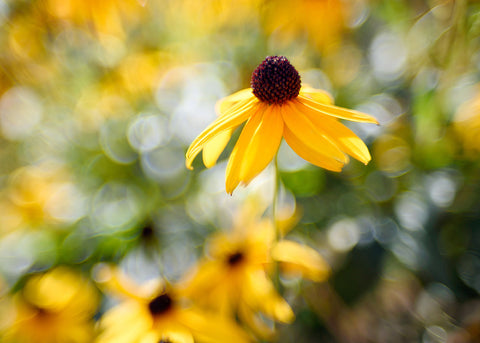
(160, 304)
(235, 259)
(275, 80)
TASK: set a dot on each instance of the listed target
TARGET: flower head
(54, 307)
(234, 277)
(156, 312)
(278, 106)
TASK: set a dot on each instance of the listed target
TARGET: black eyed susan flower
(156, 312)
(277, 106)
(54, 307)
(234, 277)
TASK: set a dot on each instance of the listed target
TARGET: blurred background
(100, 99)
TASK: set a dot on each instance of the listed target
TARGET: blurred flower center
(275, 80)
(148, 232)
(160, 304)
(235, 259)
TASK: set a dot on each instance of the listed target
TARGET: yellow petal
(307, 132)
(236, 160)
(341, 135)
(336, 111)
(213, 328)
(263, 144)
(231, 119)
(149, 337)
(124, 323)
(214, 147)
(176, 336)
(226, 103)
(255, 322)
(309, 154)
(260, 293)
(112, 280)
(318, 95)
(300, 259)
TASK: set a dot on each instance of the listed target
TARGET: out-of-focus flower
(467, 124)
(54, 307)
(234, 278)
(35, 196)
(278, 106)
(155, 312)
(322, 20)
(198, 18)
(105, 17)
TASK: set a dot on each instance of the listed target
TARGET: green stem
(276, 186)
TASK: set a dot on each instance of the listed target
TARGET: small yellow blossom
(278, 106)
(156, 312)
(234, 278)
(31, 195)
(55, 307)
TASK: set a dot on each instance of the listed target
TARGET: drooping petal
(177, 336)
(263, 144)
(299, 259)
(309, 154)
(255, 322)
(336, 111)
(341, 135)
(260, 293)
(223, 105)
(307, 133)
(231, 119)
(213, 328)
(114, 281)
(318, 95)
(237, 157)
(149, 337)
(118, 318)
(214, 147)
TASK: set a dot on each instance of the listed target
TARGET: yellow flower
(31, 195)
(55, 307)
(234, 278)
(278, 106)
(106, 16)
(156, 313)
(322, 20)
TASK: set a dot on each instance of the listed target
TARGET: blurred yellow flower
(33, 196)
(323, 21)
(194, 18)
(55, 307)
(234, 278)
(105, 17)
(155, 312)
(467, 125)
(278, 106)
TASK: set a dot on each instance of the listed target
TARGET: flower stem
(276, 186)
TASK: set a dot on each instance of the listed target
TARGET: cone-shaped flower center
(160, 304)
(275, 80)
(235, 259)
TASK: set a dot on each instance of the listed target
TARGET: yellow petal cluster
(156, 312)
(54, 307)
(234, 279)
